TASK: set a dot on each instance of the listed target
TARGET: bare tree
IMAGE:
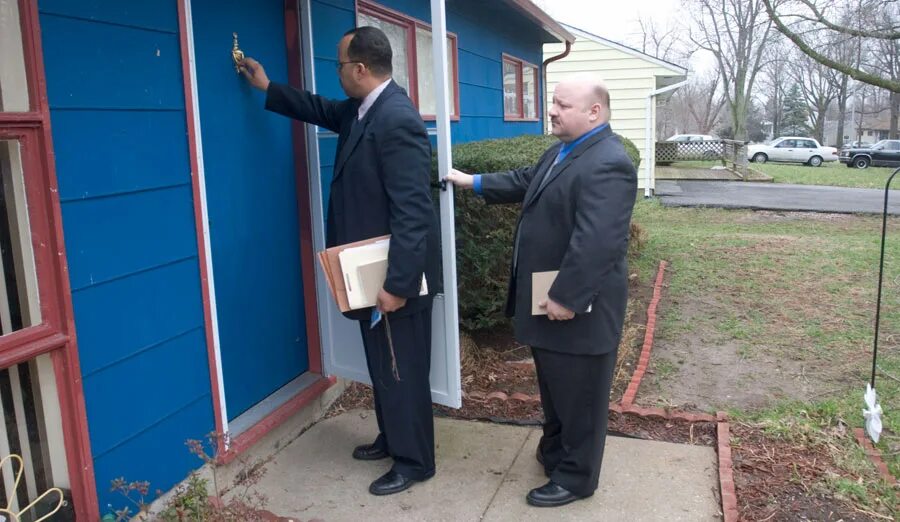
(885, 59)
(661, 41)
(735, 32)
(819, 90)
(803, 21)
(694, 108)
(704, 101)
(774, 80)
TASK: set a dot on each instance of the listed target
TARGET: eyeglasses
(340, 65)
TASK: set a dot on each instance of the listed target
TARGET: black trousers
(575, 398)
(403, 408)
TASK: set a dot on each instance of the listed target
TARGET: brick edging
(644, 360)
(726, 470)
(874, 456)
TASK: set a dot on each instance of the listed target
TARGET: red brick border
(644, 360)
(874, 455)
(726, 472)
(727, 489)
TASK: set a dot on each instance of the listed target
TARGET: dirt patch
(698, 369)
(781, 480)
(774, 216)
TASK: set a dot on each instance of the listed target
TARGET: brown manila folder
(355, 272)
(540, 290)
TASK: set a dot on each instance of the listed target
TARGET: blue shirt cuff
(477, 184)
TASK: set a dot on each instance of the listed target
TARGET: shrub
(484, 233)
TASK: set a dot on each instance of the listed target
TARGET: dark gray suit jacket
(579, 224)
(381, 183)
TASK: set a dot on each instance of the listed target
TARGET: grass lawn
(791, 287)
(833, 174)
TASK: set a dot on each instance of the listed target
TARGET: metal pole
(884, 216)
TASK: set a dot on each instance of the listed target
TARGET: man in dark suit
(576, 215)
(381, 186)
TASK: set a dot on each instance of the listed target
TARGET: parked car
(856, 144)
(696, 147)
(693, 137)
(792, 149)
(885, 153)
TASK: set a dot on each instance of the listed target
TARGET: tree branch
(819, 17)
(853, 72)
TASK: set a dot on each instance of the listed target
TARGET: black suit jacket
(381, 183)
(579, 224)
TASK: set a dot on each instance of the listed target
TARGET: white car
(693, 137)
(696, 146)
(791, 149)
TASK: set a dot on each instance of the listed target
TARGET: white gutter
(650, 137)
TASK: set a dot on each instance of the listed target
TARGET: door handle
(237, 55)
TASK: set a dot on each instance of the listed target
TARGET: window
(40, 399)
(892, 145)
(413, 65)
(19, 301)
(520, 90)
(13, 87)
(786, 144)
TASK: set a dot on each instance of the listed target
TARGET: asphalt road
(775, 196)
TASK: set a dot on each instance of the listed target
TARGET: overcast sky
(618, 19)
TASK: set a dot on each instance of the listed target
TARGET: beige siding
(630, 80)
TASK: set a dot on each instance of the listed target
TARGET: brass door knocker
(236, 53)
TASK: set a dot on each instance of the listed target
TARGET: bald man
(576, 213)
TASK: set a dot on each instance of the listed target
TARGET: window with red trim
(413, 62)
(36, 354)
(520, 90)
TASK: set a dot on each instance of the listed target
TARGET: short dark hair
(371, 47)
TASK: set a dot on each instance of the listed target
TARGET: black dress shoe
(390, 483)
(369, 452)
(551, 494)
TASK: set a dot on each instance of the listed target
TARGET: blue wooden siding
(118, 118)
(481, 44)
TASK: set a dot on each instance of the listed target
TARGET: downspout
(650, 136)
(547, 62)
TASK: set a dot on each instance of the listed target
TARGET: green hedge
(484, 232)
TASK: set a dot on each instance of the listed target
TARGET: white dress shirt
(370, 98)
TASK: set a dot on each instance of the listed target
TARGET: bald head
(579, 106)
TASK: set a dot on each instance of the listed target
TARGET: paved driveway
(775, 196)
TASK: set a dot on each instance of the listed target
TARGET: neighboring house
(872, 128)
(875, 127)
(161, 281)
(637, 82)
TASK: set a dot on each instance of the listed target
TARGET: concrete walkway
(775, 196)
(483, 473)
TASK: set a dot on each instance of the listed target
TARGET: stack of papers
(355, 272)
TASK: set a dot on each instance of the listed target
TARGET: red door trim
(202, 247)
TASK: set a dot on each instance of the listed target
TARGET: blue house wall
(119, 131)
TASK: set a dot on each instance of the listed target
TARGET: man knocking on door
(381, 185)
